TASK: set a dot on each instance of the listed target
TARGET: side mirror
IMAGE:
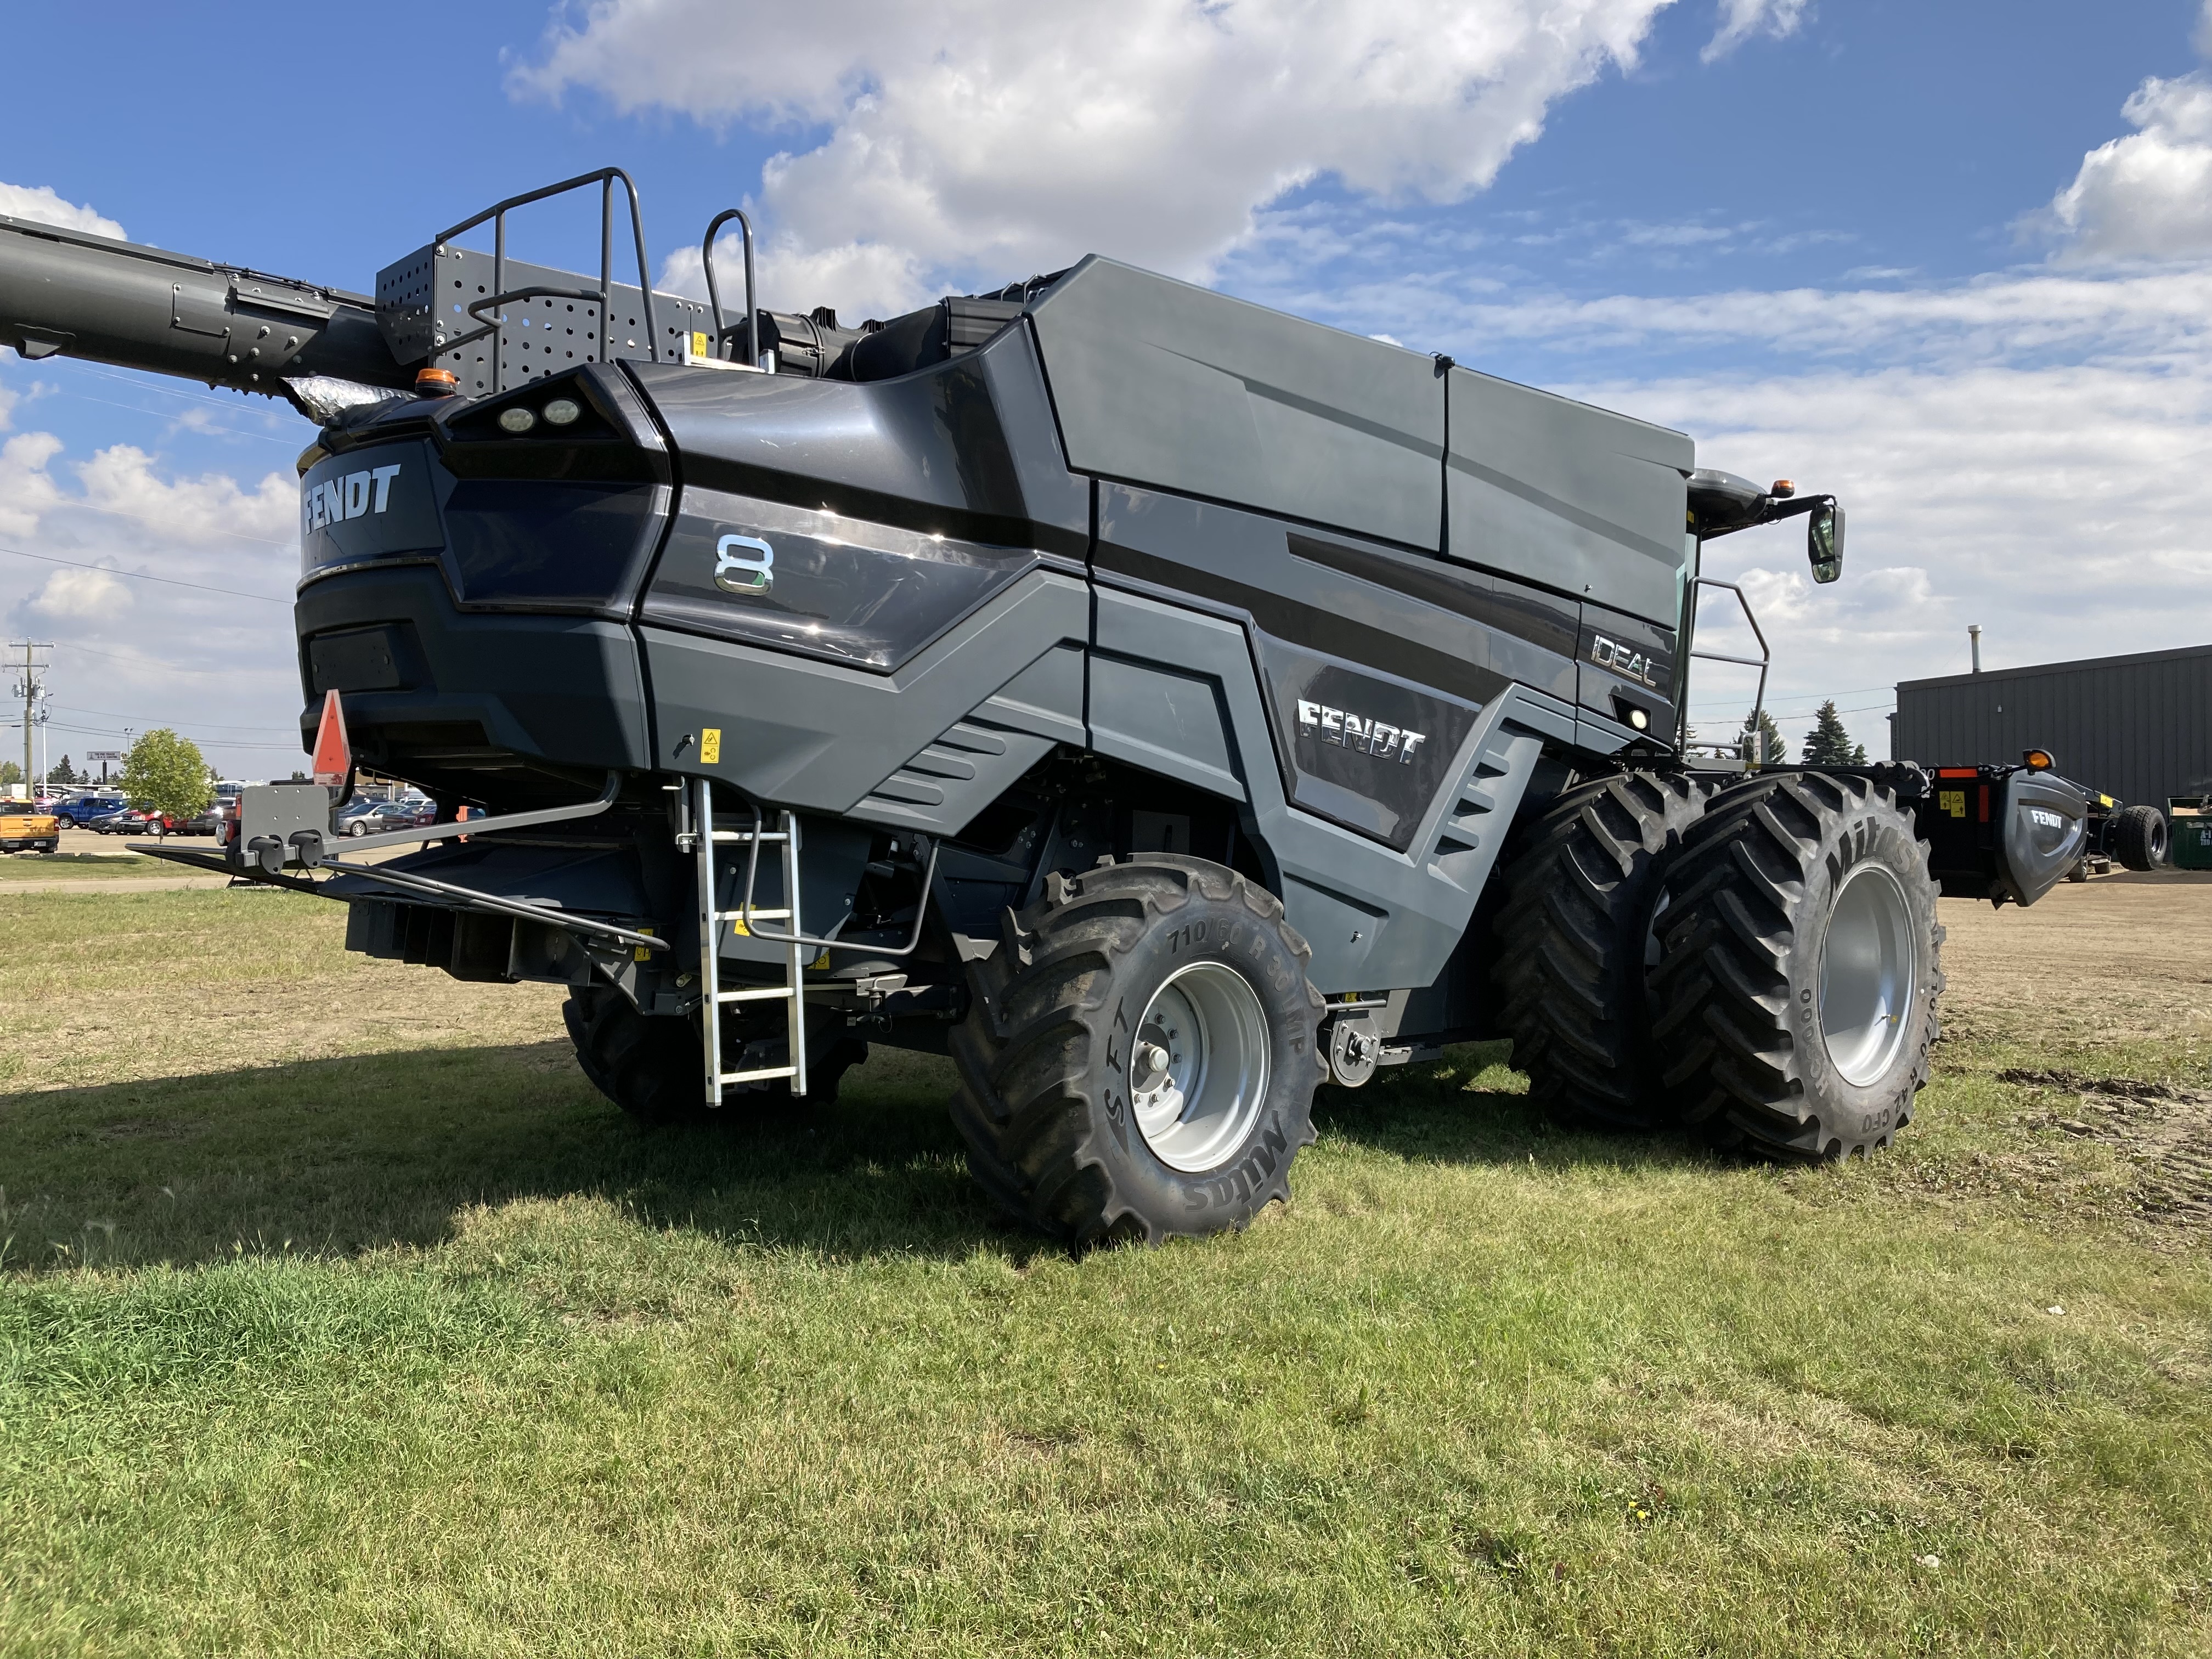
(1824, 542)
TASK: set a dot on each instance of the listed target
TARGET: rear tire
(1142, 1058)
(1795, 996)
(1572, 946)
(650, 1065)
(2139, 837)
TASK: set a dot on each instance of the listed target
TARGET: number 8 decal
(757, 573)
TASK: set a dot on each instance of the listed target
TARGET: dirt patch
(2165, 1132)
(2106, 962)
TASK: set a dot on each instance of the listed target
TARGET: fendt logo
(736, 573)
(347, 497)
(1624, 660)
(1370, 737)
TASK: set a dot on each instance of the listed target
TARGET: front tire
(1572, 946)
(651, 1065)
(1143, 1056)
(1795, 995)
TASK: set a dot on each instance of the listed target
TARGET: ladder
(793, 992)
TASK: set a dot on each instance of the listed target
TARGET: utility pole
(29, 688)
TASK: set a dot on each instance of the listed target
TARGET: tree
(9, 772)
(64, 774)
(165, 773)
(1777, 750)
(1858, 754)
(1829, 744)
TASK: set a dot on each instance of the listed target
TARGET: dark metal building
(2139, 727)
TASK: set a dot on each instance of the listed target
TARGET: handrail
(589, 809)
(480, 306)
(1761, 662)
(604, 178)
(715, 293)
(752, 875)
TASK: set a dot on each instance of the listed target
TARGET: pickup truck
(28, 832)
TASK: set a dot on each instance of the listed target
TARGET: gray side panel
(1168, 723)
(1158, 382)
(978, 759)
(822, 736)
(1575, 497)
(1377, 919)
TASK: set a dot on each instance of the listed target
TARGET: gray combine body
(1106, 585)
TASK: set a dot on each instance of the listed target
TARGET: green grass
(388, 1338)
(82, 866)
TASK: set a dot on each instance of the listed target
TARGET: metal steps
(792, 991)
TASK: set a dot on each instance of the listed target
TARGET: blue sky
(1868, 245)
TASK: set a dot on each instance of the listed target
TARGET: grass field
(339, 1317)
(80, 866)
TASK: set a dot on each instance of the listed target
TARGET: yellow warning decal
(699, 346)
(1953, 801)
(638, 952)
(710, 745)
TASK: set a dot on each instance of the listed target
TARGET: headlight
(516, 419)
(561, 411)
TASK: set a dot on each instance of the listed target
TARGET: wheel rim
(1198, 1070)
(1867, 979)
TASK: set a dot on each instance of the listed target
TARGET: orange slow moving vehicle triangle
(333, 753)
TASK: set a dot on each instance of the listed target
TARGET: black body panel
(965, 449)
(504, 710)
(816, 582)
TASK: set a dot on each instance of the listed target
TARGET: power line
(166, 390)
(67, 504)
(147, 662)
(114, 715)
(139, 576)
(156, 415)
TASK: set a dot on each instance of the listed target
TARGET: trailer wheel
(2139, 837)
(650, 1065)
(1796, 997)
(1142, 1058)
(1575, 943)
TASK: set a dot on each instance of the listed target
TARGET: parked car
(384, 816)
(209, 821)
(132, 822)
(85, 808)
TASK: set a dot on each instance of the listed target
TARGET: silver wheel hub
(1867, 974)
(1198, 1071)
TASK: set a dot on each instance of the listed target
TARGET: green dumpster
(2190, 823)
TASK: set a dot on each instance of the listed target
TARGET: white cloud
(2063, 507)
(979, 140)
(1740, 20)
(213, 508)
(136, 654)
(2147, 195)
(71, 594)
(2161, 314)
(41, 203)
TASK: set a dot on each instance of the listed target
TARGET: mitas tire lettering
(1046, 1103)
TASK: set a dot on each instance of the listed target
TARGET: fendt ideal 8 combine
(1159, 704)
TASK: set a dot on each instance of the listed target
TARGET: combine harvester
(1159, 704)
